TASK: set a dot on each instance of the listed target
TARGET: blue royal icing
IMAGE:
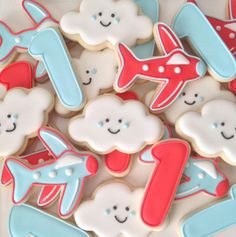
(211, 220)
(192, 24)
(25, 220)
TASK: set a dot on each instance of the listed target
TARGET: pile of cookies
(126, 89)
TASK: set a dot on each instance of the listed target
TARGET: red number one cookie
(170, 158)
(171, 71)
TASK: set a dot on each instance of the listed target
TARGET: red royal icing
(171, 71)
(18, 74)
(171, 157)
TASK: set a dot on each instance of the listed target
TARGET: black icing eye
(196, 95)
(183, 94)
(222, 124)
(87, 71)
(107, 120)
(113, 15)
(114, 207)
(9, 115)
(127, 208)
(100, 13)
(120, 120)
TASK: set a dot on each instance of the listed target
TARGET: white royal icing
(109, 123)
(22, 114)
(207, 167)
(195, 95)
(213, 131)
(231, 26)
(103, 21)
(113, 204)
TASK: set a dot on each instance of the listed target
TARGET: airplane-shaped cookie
(64, 175)
(171, 71)
(44, 42)
(225, 28)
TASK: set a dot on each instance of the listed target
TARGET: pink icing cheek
(0, 41)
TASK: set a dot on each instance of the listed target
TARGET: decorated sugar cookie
(113, 211)
(212, 131)
(109, 123)
(189, 23)
(23, 112)
(171, 72)
(225, 28)
(118, 163)
(99, 24)
(62, 176)
(194, 96)
(54, 57)
(97, 72)
(202, 175)
(28, 221)
(163, 183)
(18, 74)
(209, 221)
(149, 8)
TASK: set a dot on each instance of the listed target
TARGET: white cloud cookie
(114, 211)
(97, 72)
(194, 96)
(99, 22)
(213, 131)
(23, 112)
(111, 124)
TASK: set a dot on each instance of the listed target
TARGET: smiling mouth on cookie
(120, 220)
(12, 129)
(104, 24)
(88, 82)
(226, 137)
(113, 131)
(189, 103)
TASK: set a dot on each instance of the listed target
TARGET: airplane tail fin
(7, 42)
(22, 179)
(128, 71)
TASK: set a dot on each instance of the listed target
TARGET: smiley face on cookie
(213, 131)
(115, 212)
(97, 71)
(195, 95)
(111, 124)
(23, 112)
(104, 21)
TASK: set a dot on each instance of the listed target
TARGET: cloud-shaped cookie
(23, 112)
(111, 124)
(97, 72)
(213, 131)
(99, 22)
(193, 97)
(114, 211)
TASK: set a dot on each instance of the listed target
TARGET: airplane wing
(48, 194)
(54, 142)
(36, 12)
(71, 196)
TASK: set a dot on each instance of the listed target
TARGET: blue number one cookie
(45, 43)
(27, 221)
(190, 23)
(211, 220)
(151, 9)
